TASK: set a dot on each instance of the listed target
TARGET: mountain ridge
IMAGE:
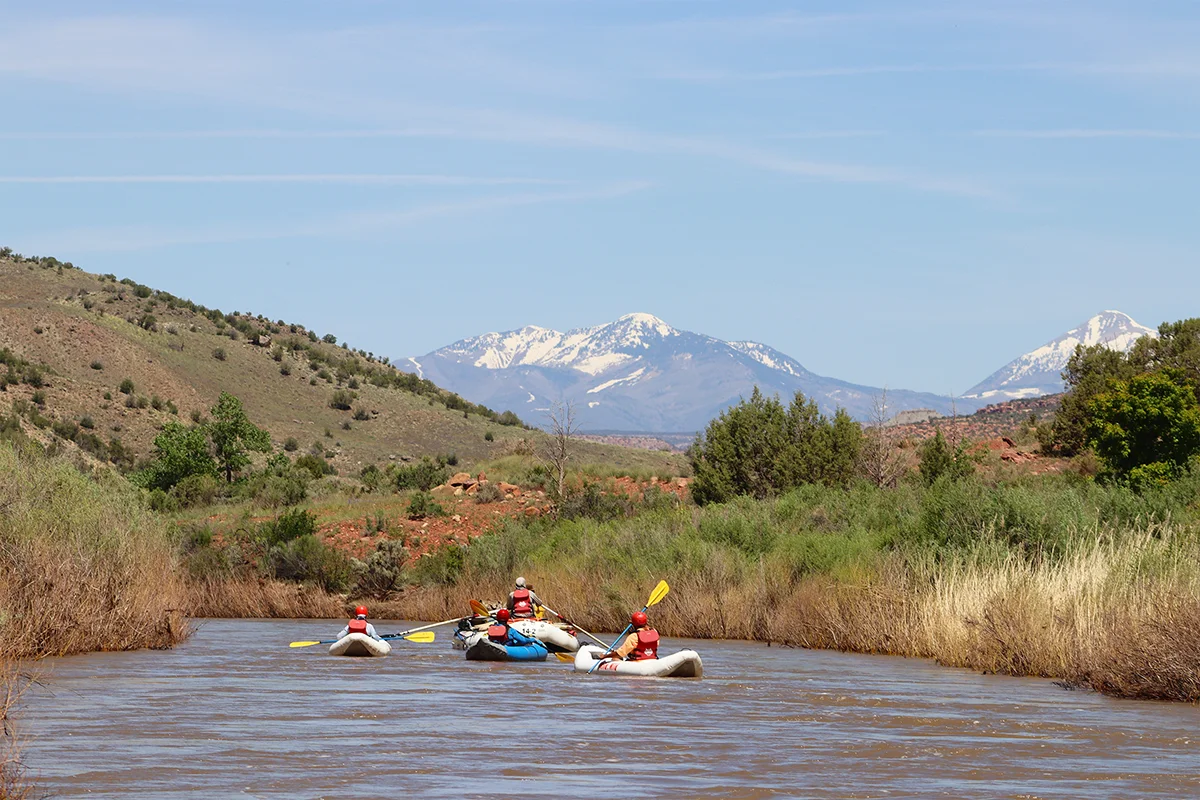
(638, 373)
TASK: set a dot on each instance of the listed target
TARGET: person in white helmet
(522, 602)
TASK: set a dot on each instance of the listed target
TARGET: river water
(233, 712)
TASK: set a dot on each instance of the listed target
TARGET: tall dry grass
(248, 597)
(83, 565)
(13, 785)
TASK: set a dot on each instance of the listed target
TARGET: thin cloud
(1089, 133)
(320, 178)
(349, 224)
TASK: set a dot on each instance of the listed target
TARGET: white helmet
(520, 583)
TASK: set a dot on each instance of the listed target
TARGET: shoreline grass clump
(84, 565)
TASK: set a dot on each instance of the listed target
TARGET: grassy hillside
(86, 334)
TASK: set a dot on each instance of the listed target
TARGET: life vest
(357, 626)
(521, 605)
(647, 646)
(498, 633)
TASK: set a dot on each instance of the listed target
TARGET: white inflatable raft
(359, 644)
(553, 635)
(684, 664)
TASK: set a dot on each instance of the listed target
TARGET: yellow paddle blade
(423, 638)
(302, 644)
(658, 594)
(566, 657)
(479, 608)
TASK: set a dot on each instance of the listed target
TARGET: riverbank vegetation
(84, 564)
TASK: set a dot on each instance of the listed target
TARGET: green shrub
(289, 525)
(196, 490)
(315, 465)
(361, 414)
(342, 399)
(156, 403)
(382, 572)
(440, 568)
(126, 386)
(87, 422)
(39, 397)
(308, 559)
(423, 505)
(219, 353)
(489, 493)
(489, 437)
(291, 445)
(97, 365)
(423, 475)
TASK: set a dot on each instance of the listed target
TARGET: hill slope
(1038, 372)
(639, 374)
(89, 333)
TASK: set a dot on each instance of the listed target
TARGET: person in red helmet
(641, 645)
(500, 633)
(360, 625)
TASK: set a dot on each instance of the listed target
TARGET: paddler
(641, 645)
(501, 633)
(360, 625)
(522, 602)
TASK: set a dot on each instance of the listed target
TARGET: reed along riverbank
(1054, 577)
(83, 564)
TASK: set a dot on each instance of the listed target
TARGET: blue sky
(893, 193)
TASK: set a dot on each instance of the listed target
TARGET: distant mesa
(912, 417)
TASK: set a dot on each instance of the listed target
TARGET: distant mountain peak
(1039, 371)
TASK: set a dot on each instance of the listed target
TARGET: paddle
(656, 597)
(404, 635)
(566, 658)
(480, 609)
(421, 638)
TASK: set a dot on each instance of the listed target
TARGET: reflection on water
(235, 713)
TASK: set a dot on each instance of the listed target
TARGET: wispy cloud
(348, 224)
(1089, 133)
(321, 178)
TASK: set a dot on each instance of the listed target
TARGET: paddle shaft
(581, 630)
(422, 628)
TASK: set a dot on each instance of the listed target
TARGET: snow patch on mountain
(630, 378)
(769, 357)
(1039, 371)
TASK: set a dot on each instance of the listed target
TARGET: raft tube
(480, 648)
(359, 644)
(684, 664)
(554, 636)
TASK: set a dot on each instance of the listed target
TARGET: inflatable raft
(554, 636)
(480, 648)
(359, 644)
(684, 664)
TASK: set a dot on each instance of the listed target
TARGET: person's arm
(511, 603)
(533, 598)
(627, 647)
(344, 632)
(371, 632)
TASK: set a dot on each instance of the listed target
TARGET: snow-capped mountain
(1039, 371)
(637, 374)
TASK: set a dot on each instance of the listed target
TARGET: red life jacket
(647, 646)
(521, 605)
(498, 633)
(357, 626)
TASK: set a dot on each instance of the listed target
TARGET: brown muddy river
(235, 713)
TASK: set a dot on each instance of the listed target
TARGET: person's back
(359, 625)
(642, 644)
(522, 602)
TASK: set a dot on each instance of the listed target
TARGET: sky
(894, 193)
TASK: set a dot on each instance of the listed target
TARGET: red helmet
(502, 615)
(638, 619)
(361, 611)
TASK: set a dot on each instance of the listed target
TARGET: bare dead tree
(557, 451)
(881, 463)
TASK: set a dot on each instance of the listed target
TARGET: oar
(404, 635)
(480, 609)
(656, 597)
(576, 627)
(421, 638)
(566, 658)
